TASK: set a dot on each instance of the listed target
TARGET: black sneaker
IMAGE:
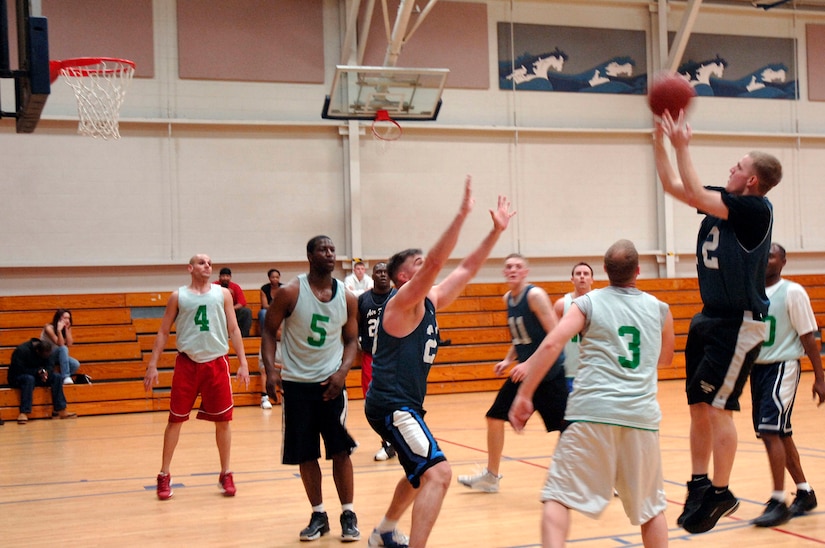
(318, 525)
(776, 513)
(695, 491)
(714, 507)
(804, 502)
(349, 527)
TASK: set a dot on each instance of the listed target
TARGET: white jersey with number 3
(619, 355)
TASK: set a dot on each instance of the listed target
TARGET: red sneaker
(164, 486)
(226, 484)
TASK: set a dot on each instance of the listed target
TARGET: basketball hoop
(385, 128)
(99, 85)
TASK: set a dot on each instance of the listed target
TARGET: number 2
(710, 245)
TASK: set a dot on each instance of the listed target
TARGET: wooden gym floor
(91, 482)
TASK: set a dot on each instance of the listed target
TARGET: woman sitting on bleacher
(59, 332)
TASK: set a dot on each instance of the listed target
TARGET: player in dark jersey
(530, 316)
(724, 339)
(370, 305)
(405, 349)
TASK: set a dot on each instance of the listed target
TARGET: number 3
(633, 346)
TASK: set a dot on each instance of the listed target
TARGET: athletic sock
(387, 525)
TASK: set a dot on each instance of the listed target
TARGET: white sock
(387, 525)
(778, 495)
(319, 508)
(349, 506)
(804, 486)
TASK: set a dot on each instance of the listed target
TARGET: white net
(99, 86)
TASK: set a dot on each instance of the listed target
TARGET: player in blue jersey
(405, 349)
(774, 380)
(370, 305)
(724, 339)
(530, 316)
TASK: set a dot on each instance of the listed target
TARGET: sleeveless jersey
(527, 332)
(370, 306)
(789, 316)
(400, 365)
(201, 324)
(621, 342)
(311, 336)
(731, 277)
(571, 347)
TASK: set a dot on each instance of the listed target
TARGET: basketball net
(385, 130)
(99, 86)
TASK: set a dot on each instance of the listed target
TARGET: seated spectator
(358, 282)
(268, 291)
(29, 368)
(242, 313)
(59, 332)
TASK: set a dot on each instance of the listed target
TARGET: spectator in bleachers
(30, 367)
(242, 313)
(59, 332)
(268, 291)
(357, 281)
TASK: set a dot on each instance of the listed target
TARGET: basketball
(669, 92)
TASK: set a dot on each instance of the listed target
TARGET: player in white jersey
(582, 278)
(614, 417)
(203, 314)
(774, 380)
(320, 340)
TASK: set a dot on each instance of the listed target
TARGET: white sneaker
(483, 481)
(265, 403)
(67, 380)
(392, 539)
(385, 453)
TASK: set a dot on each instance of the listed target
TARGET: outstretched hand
(468, 201)
(678, 131)
(502, 214)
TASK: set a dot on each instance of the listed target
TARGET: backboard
(32, 84)
(359, 92)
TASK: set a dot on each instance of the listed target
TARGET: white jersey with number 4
(201, 324)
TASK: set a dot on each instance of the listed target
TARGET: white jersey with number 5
(311, 336)
(201, 324)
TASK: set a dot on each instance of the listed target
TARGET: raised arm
(685, 185)
(235, 337)
(403, 312)
(448, 290)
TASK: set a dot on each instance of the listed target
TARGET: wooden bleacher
(114, 334)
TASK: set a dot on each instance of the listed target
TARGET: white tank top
(201, 324)
(311, 336)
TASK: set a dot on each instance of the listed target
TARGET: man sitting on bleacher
(30, 368)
